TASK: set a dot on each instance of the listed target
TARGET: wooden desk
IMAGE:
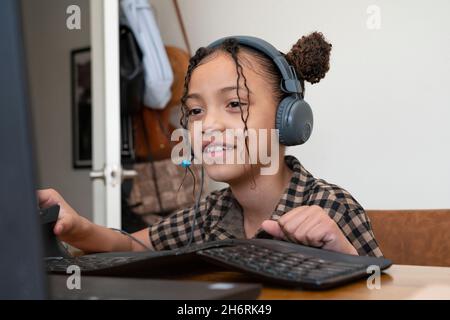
(397, 282)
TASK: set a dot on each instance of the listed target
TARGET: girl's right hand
(70, 227)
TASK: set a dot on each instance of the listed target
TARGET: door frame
(106, 163)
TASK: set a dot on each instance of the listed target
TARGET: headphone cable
(196, 208)
(131, 237)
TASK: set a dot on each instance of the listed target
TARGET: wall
(48, 44)
(167, 21)
(382, 111)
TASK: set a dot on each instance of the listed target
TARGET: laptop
(22, 274)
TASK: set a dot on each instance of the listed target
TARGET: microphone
(186, 163)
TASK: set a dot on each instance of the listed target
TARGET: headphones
(294, 118)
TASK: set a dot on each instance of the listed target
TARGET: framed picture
(81, 108)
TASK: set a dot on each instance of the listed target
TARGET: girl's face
(212, 100)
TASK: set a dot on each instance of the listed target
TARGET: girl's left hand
(310, 226)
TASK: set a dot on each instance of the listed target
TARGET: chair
(414, 237)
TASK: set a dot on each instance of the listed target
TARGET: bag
(131, 89)
(131, 73)
(159, 189)
(156, 191)
(139, 15)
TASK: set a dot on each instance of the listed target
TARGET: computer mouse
(52, 246)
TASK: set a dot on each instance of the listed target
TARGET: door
(107, 171)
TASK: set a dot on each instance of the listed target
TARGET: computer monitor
(21, 269)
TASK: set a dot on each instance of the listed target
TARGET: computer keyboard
(278, 262)
(131, 264)
(293, 269)
(122, 264)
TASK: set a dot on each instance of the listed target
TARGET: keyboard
(277, 262)
(292, 269)
(131, 264)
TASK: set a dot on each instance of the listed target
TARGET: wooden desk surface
(397, 282)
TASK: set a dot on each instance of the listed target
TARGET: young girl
(233, 86)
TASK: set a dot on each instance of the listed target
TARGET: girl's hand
(70, 227)
(310, 226)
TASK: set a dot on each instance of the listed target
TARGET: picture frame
(81, 108)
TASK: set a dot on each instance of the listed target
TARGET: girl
(233, 86)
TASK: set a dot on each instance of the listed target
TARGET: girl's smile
(213, 104)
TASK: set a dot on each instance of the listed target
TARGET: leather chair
(414, 237)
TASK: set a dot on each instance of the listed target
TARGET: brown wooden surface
(413, 237)
(397, 282)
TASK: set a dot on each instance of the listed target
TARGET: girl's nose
(212, 121)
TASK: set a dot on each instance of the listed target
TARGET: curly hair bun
(310, 57)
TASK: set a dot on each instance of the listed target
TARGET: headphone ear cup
(294, 120)
(281, 110)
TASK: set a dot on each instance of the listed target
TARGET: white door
(107, 171)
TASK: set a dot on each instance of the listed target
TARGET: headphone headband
(290, 83)
(294, 118)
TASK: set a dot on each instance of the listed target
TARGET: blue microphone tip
(185, 163)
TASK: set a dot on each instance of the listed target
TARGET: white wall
(48, 44)
(167, 21)
(382, 111)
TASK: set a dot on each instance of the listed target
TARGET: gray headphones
(294, 118)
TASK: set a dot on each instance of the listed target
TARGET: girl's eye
(236, 104)
(194, 111)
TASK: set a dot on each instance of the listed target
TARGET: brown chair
(414, 237)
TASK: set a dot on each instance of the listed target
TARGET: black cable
(196, 208)
(131, 237)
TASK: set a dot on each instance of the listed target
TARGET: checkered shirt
(220, 217)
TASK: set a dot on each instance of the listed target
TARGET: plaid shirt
(219, 216)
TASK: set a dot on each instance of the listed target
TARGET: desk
(397, 282)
